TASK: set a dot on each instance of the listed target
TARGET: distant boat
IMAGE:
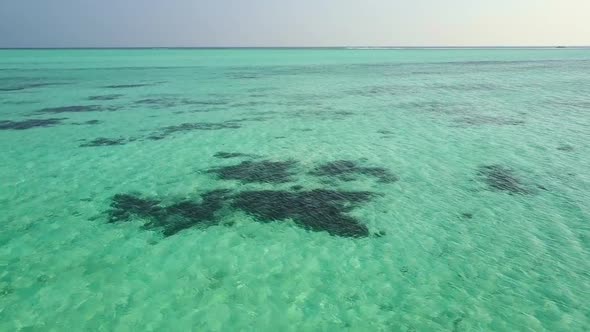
(560, 47)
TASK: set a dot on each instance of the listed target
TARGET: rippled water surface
(284, 190)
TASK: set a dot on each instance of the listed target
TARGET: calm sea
(295, 190)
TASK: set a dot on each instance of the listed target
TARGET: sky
(282, 23)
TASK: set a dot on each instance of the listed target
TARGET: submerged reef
(346, 170)
(257, 171)
(103, 141)
(228, 155)
(89, 122)
(28, 124)
(105, 97)
(184, 127)
(76, 109)
(167, 101)
(316, 210)
(125, 86)
(501, 178)
(482, 120)
(26, 86)
(565, 148)
(169, 219)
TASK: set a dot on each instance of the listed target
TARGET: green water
(482, 226)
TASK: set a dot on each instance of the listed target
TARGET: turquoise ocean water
(295, 190)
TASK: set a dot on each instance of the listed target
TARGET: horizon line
(303, 47)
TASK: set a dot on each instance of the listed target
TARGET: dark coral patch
(169, 219)
(373, 91)
(125, 86)
(257, 171)
(156, 136)
(20, 102)
(28, 124)
(565, 148)
(161, 102)
(126, 206)
(316, 210)
(242, 76)
(210, 102)
(323, 113)
(157, 102)
(254, 118)
(184, 127)
(70, 109)
(467, 215)
(91, 122)
(105, 97)
(201, 126)
(501, 178)
(102, 141)
(27, 86)
(228, 155)
(188, 214)
(88, 123)
(77, 109)
(489, 120)
(205, 110)
(346, 170)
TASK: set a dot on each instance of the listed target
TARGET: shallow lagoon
(404, 190)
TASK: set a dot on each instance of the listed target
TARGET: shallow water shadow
(316, 210)
(257, 171)
(28, 124)
(346, 170)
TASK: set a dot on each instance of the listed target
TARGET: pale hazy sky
(131, 23)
